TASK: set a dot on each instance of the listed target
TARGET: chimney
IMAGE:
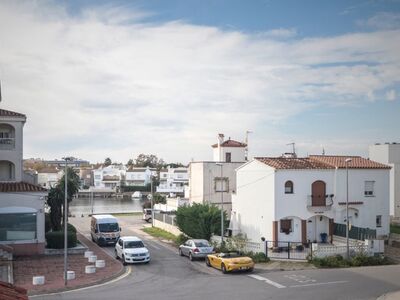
(220, 141)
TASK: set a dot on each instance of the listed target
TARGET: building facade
(173, 180)
(136, 176)
(302, 199)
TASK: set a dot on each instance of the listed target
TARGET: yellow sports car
(228, 262)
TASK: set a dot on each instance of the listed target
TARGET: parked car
(147, 214)
(195, 249)
(136, 195)
(229, 262)
(104, 229)
(130, 249)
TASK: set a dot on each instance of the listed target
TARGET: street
(169, 276)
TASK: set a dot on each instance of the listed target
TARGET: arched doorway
(318, 193)
(7, 170)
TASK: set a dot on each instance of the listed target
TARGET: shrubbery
(258, 257)
(55, 239)
(359, 260)
(181, 239)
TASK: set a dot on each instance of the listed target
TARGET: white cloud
(382, 21)
(104, 83)
(391, 95)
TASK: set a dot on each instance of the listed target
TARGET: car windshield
(202, 244)
(133, 244)
(109, 227)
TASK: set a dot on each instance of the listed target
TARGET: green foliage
(181, 239)
(158, 198)
(258, 257)
(107, 162)
(55, 239)
(47, 222)
(236, 243)
(359, 260)
(55, 199)
(160, 233)
(151, 161)
(200, 221)
(394, 229)
(71, 227)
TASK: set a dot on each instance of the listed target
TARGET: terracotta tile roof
(230, 143)
(12, 292)
(15, 187)
(356, 162)
(292, 163)
(48, 170)
(9, 113)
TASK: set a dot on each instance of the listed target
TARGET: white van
(104, 229)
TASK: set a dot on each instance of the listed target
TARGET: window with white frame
(378, 221)
(369, 188)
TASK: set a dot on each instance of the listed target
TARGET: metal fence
(357, 233)
(166, 218)
(288, 250)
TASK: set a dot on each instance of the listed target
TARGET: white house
(214, 181)
(108, 177)
(389, 153)
(173, 180)
(48, 177)
(139, 176)
(21, 203)
(298, 199)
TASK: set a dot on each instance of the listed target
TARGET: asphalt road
(169, 276)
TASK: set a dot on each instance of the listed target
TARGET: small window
(378, 221)
(286, 226)
(369, 188)
(221, 184)
(228, 157)
(289, 187)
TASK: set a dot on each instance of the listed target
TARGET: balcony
(7, 143)
(318, 204)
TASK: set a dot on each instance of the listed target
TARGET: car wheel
(180, 252)
(123, 260)
(116, 254)
(208, 262)
(223, 269)
(191, 257)
(250, 270)
(92, 238)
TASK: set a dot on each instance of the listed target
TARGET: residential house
(298, 199)
(139, 176)
(173, 180)
(48, 177)
(389, 153)
(214, 181)
(109, 177)
(21, 203)
(86, 176)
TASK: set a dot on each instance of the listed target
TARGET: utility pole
(347, 207)
(222, 203)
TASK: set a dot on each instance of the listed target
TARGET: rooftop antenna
(246, 149)
(323, 151)
(293, 148)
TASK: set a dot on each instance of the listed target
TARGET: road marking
(318, 283)
(273, 283)
(127, 273)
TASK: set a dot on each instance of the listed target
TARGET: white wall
(237, 154)
(253, 205)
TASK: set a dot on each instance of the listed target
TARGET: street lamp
(67, 159)
(222, 204)
(347, 207)
(151, 200)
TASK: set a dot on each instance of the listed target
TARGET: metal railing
(327, 206)
(288, 250)
(7, 143)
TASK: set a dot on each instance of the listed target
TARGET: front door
(318, 193)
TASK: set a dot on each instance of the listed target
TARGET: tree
(107, 161)
(151, 161)
(130, 163)
(56, 197)
(200, 221)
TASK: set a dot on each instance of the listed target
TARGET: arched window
(288, 187)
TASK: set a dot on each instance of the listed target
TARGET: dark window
(133, 244)
(228, 157)
(378, 221)
(109, 227)
(289, 187)
(286, 226)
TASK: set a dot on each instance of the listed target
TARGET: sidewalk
(390, 296)
(281, 265)
(52, 267)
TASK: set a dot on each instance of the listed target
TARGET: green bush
(71, 228)
(336, 261)
(364, 260)
(359, 260)
(55, 239)
(182, 238)
(258, 257)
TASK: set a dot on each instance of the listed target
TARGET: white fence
(370, 247)
(248, 246)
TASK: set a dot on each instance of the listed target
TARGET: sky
(114, 79)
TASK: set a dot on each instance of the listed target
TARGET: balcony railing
(7, 143)
(318, 205)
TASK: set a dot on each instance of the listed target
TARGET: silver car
(195, 249)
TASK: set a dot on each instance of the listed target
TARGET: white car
(130, 249)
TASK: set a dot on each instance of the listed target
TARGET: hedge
(55, 239)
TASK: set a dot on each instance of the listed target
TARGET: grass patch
(394, 229)
(128, 214)
(160, 233)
